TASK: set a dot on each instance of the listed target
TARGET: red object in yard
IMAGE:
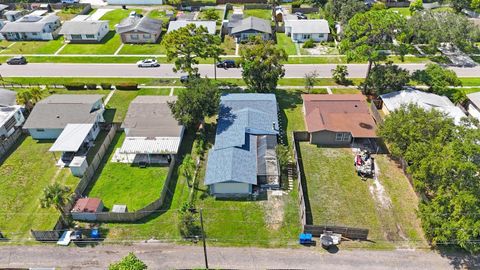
(358, 160)
(90, 205)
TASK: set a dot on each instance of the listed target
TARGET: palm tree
(55, 195)
(25, 98)
(274, 4)
(36, 95)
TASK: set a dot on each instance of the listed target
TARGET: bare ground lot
(337, 196)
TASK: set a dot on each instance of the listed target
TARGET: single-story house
(428, 101)
(473, 105)
(243, 158)
(84, 31)
(86, 208)
(51, 115)
(13, 15)
(337, 119)
(251, 26)
(135, 29)
(135, 2)
(152, 134)
(32, 27)
(11, 116)
(210, 25)
(303, 30)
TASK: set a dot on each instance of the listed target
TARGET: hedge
(127, 86)
(75, 86)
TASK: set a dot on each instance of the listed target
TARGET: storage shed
(86, 208)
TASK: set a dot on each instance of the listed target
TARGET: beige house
(136, 29)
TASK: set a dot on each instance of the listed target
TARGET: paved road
(169, 256)
(165, 70)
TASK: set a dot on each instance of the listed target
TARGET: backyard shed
(86, 208)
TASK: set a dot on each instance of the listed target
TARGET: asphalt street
(165, 70)
(170, 256)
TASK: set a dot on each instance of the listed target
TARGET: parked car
(70, 1)
(17, 60)
(186, 78)
(226, 64)
(148, 63)
(301, 16)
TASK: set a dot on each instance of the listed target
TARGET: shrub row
(105, 86)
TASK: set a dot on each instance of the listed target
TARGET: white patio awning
(71, 138)
(157, 145)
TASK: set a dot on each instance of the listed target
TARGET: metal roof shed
(71, 138)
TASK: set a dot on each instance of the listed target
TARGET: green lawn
(404, 11)
(219, 12)
(69, 12)
(145, 49)
(337, 196)
(34, 47)
(110, 43)
(25, 173)
(120, 183)
(286, 43)
(117, 15)
(121, 100)
(345, 90)
(160, 15)
(259, 13)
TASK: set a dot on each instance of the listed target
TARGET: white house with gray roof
(136, 29)
(51, 115)
(84, 31)
(252, 26)
(243, 158)
(32, 27)
(11, 116)
(303, 30)
(210, 25)
(473, 104)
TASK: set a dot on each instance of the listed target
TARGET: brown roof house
(337, 119)
(86, 209)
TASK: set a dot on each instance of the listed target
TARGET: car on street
(186, 78)
(17, 60)
(148, 63)
(300, 16)
(226, 64)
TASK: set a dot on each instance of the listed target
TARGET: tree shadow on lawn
(13, 148)
(308, 208)
(286, 100)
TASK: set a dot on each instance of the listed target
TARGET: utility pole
(203, 239)
(215, 67)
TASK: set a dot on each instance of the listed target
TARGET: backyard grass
(24, 174)
(120, 183)
(121, 99)
(67, 13)
(286, 43)
(202, 15)
(34, 47)
(265, 14)
(117, 15)
(337, 196)
(110, 43)
(160, 15)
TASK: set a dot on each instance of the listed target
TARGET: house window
(147, 36)
(90, 36)
(342, 137)
(76, 36)
(306, 36)
(346, 137)
(339, 137)
(40, 130)
(134, 37)
(34, 34)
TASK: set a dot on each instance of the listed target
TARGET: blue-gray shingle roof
(241, 116)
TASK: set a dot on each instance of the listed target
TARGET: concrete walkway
(99, 14)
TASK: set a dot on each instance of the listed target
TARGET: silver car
(148, 63)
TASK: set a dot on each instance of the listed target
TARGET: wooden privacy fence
(46, 236)
(316, 230)
(144, 212)
(6, 144)
(376, 114)
(347, 232)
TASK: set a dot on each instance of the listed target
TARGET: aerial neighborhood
(319, 129)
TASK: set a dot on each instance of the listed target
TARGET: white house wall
(300, 37)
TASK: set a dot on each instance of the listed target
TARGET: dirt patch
(274, 210)
(332, 153)
(378, 191)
